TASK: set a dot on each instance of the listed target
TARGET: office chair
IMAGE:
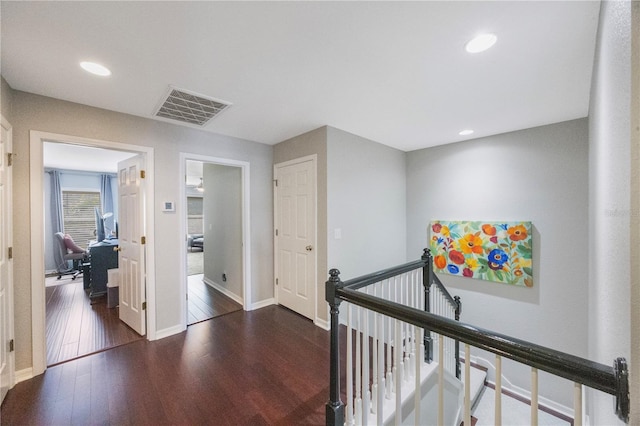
(69, 251)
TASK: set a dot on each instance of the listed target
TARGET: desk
(102, 257)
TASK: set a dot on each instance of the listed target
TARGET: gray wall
(223, 226)
(609, 197)
(33, 112)
(539, 175)
(366, 200)
(313, 142)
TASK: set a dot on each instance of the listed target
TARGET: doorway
(215, 220)
(39, 232)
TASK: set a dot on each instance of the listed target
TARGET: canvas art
(492, 251)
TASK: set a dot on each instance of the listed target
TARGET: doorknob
(309, 248)
(117, 249)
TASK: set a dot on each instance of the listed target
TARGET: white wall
(223, 226)
(366, 201)
(609, 197)
(33, 112)
(537, 175)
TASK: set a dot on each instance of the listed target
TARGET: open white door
(131, 243)
(295, 205)
(6, 265)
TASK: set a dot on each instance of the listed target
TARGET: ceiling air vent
(189, 107)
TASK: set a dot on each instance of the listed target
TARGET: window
(78, 210)
(194, 215)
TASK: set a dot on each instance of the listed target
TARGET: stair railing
(439, 301)
(611, 380)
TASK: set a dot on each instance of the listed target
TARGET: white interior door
(296, 236)
(6, 272)
(131, 243)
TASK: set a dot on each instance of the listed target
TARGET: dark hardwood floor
(205, 302)
(268, 366)
(77, 325)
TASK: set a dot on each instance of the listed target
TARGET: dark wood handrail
(605, 378)
(375, 277)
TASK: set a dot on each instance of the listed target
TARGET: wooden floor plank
(267, 366)
(205, 302)
(77, 325)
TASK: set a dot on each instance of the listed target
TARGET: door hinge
(11, 346)
(10, 254)
(276, 281)
(142, 174)
(143, 240)
(276, 232)
(144, 306)
(275, 181)
(10, 158)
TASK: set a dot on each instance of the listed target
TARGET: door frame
(11, 365)
(314, 161)
(246, 227)
(36, 187)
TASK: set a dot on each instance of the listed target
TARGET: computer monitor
(99, 226)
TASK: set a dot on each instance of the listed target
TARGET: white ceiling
(393, 72)
(83, 158)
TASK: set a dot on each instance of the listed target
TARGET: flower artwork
(493, 251)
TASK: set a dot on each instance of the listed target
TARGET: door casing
(247, 304)
(37, 138)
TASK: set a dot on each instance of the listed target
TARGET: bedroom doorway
(41, 233)
(81, 202)
(215, 222)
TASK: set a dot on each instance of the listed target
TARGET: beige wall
(33, 112)
(313, 142)
(6, 99)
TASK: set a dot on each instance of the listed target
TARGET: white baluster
(366, 394)
(441, 383)
(498, 400)
(577, 404)
(534, 396)
(467, 385)
(380, 368)
(374, 367)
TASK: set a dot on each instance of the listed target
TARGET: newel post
(334, 407)
(427, 271)
(457, 344)
(622, 389)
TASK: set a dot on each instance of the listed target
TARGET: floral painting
(493, 251)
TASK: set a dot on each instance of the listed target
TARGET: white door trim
(9, 236)
(37, 138)
(246, 228)
(314, 159)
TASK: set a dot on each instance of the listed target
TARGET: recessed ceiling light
(480, 43)
(466, 132)
(96, 69)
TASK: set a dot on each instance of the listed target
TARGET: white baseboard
(223, 290)
(262, 303)
(161, 334)
(22, 375)
(324, 324)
